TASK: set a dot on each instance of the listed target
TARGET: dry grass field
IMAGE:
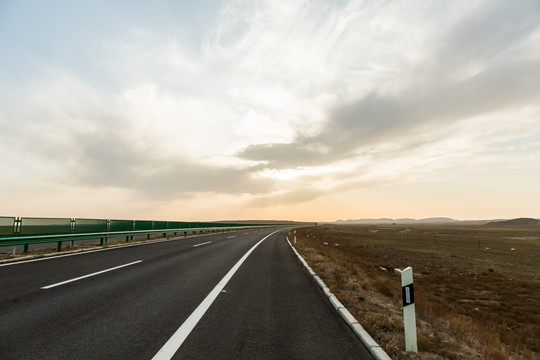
(475, 297)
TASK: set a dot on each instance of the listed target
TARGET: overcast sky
(301, 110)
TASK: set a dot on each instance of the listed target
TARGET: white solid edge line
(84, 252)
(79, 252)
(371, 345)
(173, 344)
(89, 275)
(59, 256)
(201, 244)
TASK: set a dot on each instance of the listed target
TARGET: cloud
(374, 118)
(115, 161)
(487, 31)
(286, 198)
(274, 102)
(94, 140)
(436, 101)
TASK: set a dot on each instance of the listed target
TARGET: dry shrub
(385, 287)
(494, 354)
(338, 275)
(435, 309)
(381, 321)
(365, 285)
(464, 311)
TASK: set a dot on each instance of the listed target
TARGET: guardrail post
(294, 237)
(17, 226)
(409, 316)
(25, 248)
(59, 247)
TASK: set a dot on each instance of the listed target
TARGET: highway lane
(123, 314)
(23, 277)
(272, 310)
(132, 311)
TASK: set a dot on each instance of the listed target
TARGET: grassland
(475, 297)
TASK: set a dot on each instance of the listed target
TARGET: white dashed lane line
(201, 244)
(89, 275)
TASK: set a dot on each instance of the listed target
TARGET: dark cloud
(111, 160)
(305, 152)
(100, 151)
(440, 97)
(375, 118)
(487, 31)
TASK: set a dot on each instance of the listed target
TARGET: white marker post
(294, 237)
(409, 316)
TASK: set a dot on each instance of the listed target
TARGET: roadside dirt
(475, 297)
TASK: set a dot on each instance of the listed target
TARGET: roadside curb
(374, 349)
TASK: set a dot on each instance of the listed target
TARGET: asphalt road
(133, 302)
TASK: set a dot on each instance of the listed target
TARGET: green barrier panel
(121, 225)
(44, 226)
(143, 225)
(6, 225)
(90, 225)
(159, 225)
(173, 225)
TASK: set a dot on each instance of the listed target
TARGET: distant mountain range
(515, 222)
(443, 220)
(433, 220)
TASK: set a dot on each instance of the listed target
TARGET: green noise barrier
(7, 225)
(45, 226)
(32, 230)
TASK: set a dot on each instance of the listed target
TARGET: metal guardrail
(28, 230)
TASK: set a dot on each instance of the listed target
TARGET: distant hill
(515, 222)
(404, 221)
